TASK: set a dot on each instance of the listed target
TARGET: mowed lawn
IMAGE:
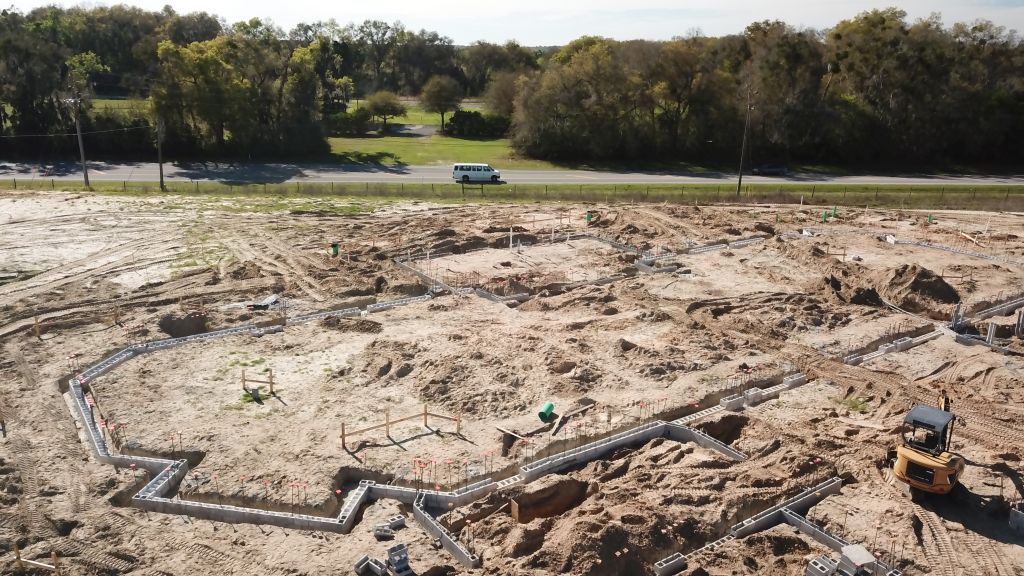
(437, 149)
(416, 115)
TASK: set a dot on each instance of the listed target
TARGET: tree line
(874, 89)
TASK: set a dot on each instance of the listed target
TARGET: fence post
(15, 183)
(124, 186)
(52, 186)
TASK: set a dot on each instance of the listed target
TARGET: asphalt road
(270, 173)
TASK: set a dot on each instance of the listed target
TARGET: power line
(125, 129)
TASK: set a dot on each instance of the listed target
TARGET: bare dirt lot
(84, 275)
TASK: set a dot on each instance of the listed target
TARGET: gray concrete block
(396, 522)
(670, 565)
(733, 402)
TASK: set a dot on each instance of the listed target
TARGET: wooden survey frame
(388, 422)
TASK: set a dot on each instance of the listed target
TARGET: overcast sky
(554, 22)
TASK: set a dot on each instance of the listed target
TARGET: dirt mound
(244, 271)
(549, 497)
(360, 325)
(916, 289)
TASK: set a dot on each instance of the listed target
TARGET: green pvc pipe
(546, 411)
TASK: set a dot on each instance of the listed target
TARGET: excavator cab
(923, 461)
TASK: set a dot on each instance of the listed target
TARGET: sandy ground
(93, 273)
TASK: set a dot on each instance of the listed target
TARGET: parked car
(771, 170)
(475, 172)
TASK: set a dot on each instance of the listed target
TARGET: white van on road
(475, 172)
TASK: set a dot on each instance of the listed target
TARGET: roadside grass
(349, 198)
(436, 149)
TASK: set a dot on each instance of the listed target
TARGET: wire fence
(985, 197)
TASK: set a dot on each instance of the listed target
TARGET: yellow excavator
(924, 461)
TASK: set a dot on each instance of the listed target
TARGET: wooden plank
(565, 417)
(509, 432)
(441, 416)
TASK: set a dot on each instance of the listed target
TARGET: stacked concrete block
(732, 402)
(671, 565)
(746, 242)
(703, 414)
(398, 561)
(449, 542)
(821, 566)
(382, 532)
(396, 522)
(903, 344)
(753, 397)
(794, 380)
(347, 516)
(774, 515)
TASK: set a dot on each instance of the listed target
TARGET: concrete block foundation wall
(167, 474)
(450, 543)
(786, 512)
(1000, 259)
(898, 345)
(800, 502)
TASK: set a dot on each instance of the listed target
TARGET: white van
(478, 172)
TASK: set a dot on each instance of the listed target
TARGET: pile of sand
(916, 289)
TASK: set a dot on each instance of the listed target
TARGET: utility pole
(743, 146)
(77, 101)
(160, 150)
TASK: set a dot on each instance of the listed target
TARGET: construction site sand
(639, 340)
(579, 260)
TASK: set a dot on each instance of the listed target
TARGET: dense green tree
(875, 88)
(499, 98)
(441, 95)
(384, 105)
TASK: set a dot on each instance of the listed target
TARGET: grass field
(437, 149)
(111, 104)
(818, 196)
(417, 115)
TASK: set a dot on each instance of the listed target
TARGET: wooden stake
(270, 380)
(425, 425)
(343, 435)
(387, 423)
(37, 328)
(17, 558)
(56, 564)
